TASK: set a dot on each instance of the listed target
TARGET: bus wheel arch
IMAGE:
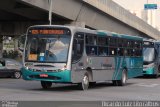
(84, 84)
(90, 74)
(86, 79)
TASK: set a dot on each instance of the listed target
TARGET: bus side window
(91, 44)
(78, 47)
(158, 51)
(112, 51)
(102, 51)
(102, 46)
(120, 51)
(91, 50)
(138, 52)
(113, 41)
(91, 39)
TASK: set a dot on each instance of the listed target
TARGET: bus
(151, 55)
(68, 54)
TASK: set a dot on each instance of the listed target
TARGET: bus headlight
(26, 67)
(64, 68)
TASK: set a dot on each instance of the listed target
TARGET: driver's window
(78, 47)
(33, 47)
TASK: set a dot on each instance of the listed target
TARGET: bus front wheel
(46, 84)
(85, 82)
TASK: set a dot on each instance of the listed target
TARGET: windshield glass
(47, 48)
(148, 54)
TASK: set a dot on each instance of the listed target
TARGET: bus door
(77, 56)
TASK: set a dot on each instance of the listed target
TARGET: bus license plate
(43, 75)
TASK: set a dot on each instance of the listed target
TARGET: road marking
(147, 85)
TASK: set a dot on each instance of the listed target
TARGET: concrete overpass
(17, 15)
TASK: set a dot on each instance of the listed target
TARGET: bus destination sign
(47, 32)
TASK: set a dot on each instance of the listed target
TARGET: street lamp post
(50, 12)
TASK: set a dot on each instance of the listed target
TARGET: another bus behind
(151, 57)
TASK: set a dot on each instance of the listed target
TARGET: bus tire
(46, 84)
(123, 80)
(85, 82)
(155, 75)
(115, 82)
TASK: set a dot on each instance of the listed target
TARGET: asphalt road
(138, 89)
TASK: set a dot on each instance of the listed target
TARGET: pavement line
(146, 85)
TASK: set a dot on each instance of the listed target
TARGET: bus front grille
(44, 71)
(144, 71)
(49, 77)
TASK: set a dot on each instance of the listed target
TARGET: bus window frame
(76, 33)
(94, 45)
(103, 46)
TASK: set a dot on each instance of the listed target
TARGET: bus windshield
(47, 48)
(148, 54)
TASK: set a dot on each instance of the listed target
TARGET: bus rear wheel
(123, 80)
(85, 82)
(46, 84)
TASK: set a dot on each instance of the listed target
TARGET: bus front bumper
(59, 77)
(148, 71)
